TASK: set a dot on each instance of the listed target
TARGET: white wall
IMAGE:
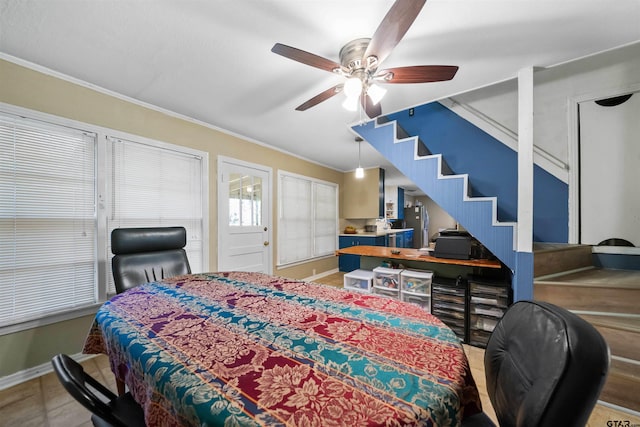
(557, 90)
(438, 217)
(602, 74)
(498, 103)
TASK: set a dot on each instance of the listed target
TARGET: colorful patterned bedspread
(245, 349)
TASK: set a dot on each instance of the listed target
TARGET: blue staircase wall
(478, 215)
(492, 168)
(473, 177)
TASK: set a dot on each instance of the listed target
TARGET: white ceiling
(210, 59)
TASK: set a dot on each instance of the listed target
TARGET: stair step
(622, 333)
(552, 258)
(589, 298)
(596, 290)
(608, 299)
(622, 386)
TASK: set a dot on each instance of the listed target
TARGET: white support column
(525, 160)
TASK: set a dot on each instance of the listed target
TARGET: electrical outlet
(411, 112)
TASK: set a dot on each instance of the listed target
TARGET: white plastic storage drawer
(387, 292)
(358, 280)
(423, 301)
(483, 323)
(416, 282)
(386, 278)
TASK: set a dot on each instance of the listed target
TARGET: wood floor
(42, 402)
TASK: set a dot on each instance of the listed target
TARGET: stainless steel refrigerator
(417, 218)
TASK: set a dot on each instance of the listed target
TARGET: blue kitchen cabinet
(408, 239)
(352, 262)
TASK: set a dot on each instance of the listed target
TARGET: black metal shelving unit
(488, 301)
(449, 303)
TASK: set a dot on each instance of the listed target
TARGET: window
(155, 187)
(245, 200)
(307, 218)
(62, 191)
(48, 259)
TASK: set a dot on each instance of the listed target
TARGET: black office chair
(544, 366)
(108, 409)
(146, 254)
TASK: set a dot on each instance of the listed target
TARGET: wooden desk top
(414, 255)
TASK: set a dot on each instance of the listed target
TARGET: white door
(609, 160)
(244, 220)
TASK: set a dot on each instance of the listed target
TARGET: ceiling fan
(360, 60)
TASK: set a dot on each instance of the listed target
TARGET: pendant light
(359, 170)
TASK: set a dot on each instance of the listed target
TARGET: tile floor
(42, 402)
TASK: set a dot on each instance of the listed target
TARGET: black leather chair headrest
(143, 255)
(152, 239)
(544, 366)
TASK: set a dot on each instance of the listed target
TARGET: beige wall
(362, 195)
(30, 89)
(438, 217)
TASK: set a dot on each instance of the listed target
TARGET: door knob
(266, 243)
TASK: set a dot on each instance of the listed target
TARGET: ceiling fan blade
(323, 96)
(305, 57)
(372, 110)
(393, 27)
(417, 74)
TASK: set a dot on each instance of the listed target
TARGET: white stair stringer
(476, 214)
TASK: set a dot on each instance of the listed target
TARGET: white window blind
(47, 219)
(325, 224)
(307, 219)
(154, 186)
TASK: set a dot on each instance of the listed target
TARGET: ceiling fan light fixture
(351, 103)
(353, 87)
(376, 93)
(360, 60)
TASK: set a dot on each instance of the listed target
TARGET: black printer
(453, 244)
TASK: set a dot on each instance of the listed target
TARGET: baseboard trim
(35, 372)
(321, 275)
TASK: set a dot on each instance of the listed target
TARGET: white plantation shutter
(47, 219)
(154, 186)
(307, 219)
